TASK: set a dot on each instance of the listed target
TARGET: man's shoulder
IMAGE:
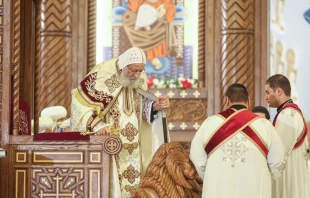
(261, 122)
(112, 63)
(291, 112)
(109, 65)
(217, 118)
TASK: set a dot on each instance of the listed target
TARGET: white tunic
(146, 15)
(237, 168)
(295, 181)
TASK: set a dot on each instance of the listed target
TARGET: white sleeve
(275, 157)
(198, 154)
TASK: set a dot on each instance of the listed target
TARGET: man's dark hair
(261, 109)
(237, 93)
(279, 81)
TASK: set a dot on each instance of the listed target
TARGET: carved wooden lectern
(62, 168)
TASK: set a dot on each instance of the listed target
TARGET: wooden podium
(60, 168)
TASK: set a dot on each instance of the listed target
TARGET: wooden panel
(60, 169)
(57, 182)
(94, 183)
(95, 157)
(188, 108)
(21, 157)
(21, 182)
(66, 157)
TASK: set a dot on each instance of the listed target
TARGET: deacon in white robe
(292, 129)
(237, 153)
(113, 100)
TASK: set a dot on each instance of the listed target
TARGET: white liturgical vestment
(237, 168)
(295, 181)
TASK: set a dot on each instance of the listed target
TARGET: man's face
(271, 97)
(134, 70)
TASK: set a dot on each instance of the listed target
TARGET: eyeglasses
(135, 71)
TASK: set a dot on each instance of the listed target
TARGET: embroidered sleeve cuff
(94, 120)
(99, 126)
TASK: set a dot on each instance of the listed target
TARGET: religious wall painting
(276, 13)
(166, 30)
(279, 60)
(289, 40)
(284, 63)
(291, 72)
(272, 54)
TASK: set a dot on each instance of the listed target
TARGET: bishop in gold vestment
(113, 99)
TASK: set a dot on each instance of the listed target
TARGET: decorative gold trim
(17, 187)
(88, 133)
(91, 182)
(24, 157)
(92, 155)
(36, 154)
(128, 104)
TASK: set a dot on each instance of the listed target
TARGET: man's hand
(48, 130)
(104, 131)
(162, 102)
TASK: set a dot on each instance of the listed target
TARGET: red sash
(304, 133)
(235, 121)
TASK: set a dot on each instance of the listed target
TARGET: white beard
(129, 82)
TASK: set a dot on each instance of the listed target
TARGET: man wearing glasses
(113, 100)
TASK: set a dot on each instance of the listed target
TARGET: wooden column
(54, 48)
(16, 63)
(237, 45)
(91, 36)
(201, 44)
(236, 41)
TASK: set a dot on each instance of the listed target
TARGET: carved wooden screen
(237, 25)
